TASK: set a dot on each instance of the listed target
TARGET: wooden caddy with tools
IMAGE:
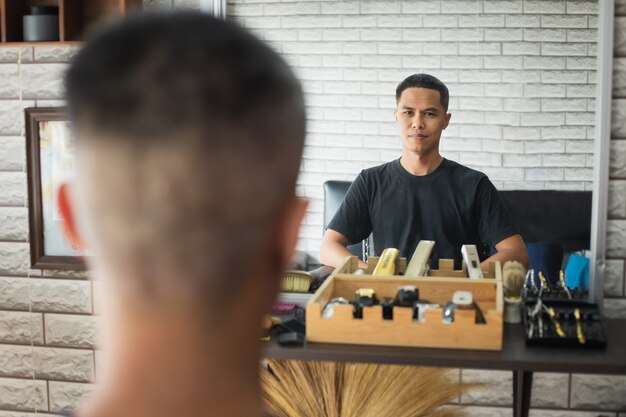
(438, 287)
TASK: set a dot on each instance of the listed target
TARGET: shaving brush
(513, 279)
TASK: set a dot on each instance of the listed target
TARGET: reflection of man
(422, 196)
(189, 139)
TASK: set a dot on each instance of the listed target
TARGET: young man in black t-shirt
(422, 195)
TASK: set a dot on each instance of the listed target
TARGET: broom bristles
(329, 389)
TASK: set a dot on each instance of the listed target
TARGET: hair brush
(296, 281)
(513, 279)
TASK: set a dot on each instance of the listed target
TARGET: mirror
(522, 82)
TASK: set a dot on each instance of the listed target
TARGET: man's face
(421, 118)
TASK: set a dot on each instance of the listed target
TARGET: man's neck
(420, 164)
(170, 367)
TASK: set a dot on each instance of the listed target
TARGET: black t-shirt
(454, 205)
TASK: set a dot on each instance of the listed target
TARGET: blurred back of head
(189, 132)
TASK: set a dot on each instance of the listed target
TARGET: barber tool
(387, 305)
(387, 263)
(448, 312)
(418, 266)
(419, 309)
(564, 285)
(472, 261)
(296, 281)
(328, 310)
(579, 327)
(544, 283)
(406, 296)
(555, 323)
(365, 297)
(463, 299)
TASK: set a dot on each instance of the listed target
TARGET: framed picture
(50, 162)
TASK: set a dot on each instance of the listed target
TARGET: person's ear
(294, 214)
(447, 120)
(66, 208)
(395, 114)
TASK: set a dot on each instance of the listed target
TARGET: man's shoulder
(379, 171)
(463, 172)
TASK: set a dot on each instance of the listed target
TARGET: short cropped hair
(424, 81)
(200, 128)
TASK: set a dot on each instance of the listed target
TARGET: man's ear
(294, 214)
(447, 120)
(69, 218)
(395, 114)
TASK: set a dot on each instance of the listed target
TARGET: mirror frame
(604, 94)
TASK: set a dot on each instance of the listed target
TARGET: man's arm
(510, 249)
(333, 250)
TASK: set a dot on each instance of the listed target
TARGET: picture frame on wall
(49, 163)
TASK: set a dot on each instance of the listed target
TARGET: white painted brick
(480, 48)
(550, 390)
(579, 146)
(522, 20)
(544, 174)
(558, 104)
(454, 144)
(618, 118)
(43, 80)
(617, 167)
(503, 118)
(46, 363)
(563, 132)
(581, 91)
(245, 10)
(14, 223)
(522, 104)
(504, 174)
(582, 6)
(10, 54)
(563, 49)
(565, 185)
(421, 6)
(504, 146)
(496, 387)
(421, 62)
(598, 391)
(360, 21)
(23, 394)
(462, 34)
(564, 77)
(9, 88)
(563, 21)
(521, 161)
(563, 160)
(544, 6)
(12, 117)
(521, 48)
(21, 327)
(65, 396)
(396, 21)
(461, 62)
(582, 35)
(14, 258)
(474, 117)
(481, 132)
(421, 35)
(545, 146)
(507, 34)
(521, 76)
(440, 48)
(262, 22)
(614, 278)
(502, 6)
(281, 34)
(340, 7)
(619, 77)
(314, 21)
(616, 238)
(542, 119)
(44, 294)
(544, 62)
(312, 48)
(578, 63)
(399, 48)
(480, 76)
(521, 133)
(310, 35)
(440, 21)
(380, 61)
(381, 34)
(578, 174)
(503, 62)
(342, 87)
(289, 9)
(378, 7)
(544, 35)
(586, 118)
(481, 20)
(12, 153)
(71, 330)
(343, 34)
(319, 74)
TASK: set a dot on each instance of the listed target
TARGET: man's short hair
(424, 81)
(200, 127)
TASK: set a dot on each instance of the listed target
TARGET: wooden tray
(437, 287)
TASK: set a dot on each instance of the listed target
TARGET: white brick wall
(520, 103)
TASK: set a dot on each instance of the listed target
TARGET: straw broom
(329, 389)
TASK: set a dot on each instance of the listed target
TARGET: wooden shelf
(76, 18)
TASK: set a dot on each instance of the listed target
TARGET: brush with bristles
(330, 389)
(296, 281)
(513, 279)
